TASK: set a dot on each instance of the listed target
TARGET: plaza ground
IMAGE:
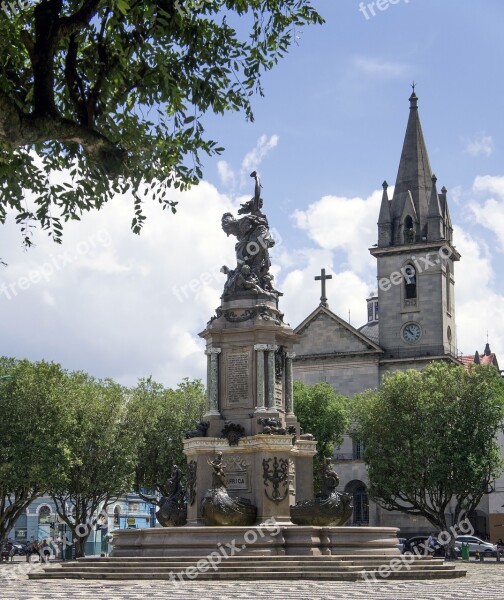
(484, 580)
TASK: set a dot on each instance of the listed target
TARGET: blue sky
(327, 133)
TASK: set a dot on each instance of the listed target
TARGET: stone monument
(250, 413)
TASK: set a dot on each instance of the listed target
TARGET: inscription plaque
(237, 371)
(278, 392)
(237, 480)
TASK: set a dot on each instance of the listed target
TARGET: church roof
(331, 334)
(486, 358)
(371, 331)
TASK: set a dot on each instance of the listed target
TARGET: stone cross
(322, 278)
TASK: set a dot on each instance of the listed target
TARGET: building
(41, 521)
(411, 319)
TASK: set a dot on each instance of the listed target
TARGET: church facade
(411, 319)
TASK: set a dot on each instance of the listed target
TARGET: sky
(327, 133)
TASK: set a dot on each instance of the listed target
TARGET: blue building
(41, 522)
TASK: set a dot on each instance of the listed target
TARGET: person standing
(46, 551)
(28, 550)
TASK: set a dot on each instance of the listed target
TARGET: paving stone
(482, 581)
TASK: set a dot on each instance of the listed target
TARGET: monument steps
(348, 568)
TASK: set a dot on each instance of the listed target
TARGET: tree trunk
(80, 545)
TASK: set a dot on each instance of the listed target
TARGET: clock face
(411, 333)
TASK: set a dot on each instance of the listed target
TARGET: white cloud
(479, 145)
(349, 224)
(479, 306)
(489, 183)
(226, 173)
(455, 195)
(373, 66)
(254, 158)
(231, 178)
(490, 212)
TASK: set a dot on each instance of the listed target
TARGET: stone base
(260, 540)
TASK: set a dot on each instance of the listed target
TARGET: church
(410, 321)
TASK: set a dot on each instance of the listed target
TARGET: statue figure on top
(251, 274)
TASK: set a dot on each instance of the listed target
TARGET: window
(370, 311)
(361, 506)
(410, 282)
(409, 230)
(358, 448)
(358, 491)
(44, 515)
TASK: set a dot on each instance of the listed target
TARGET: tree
(322, 412)
(32, 451)
(162, 416)
(430, 440)
(102, 450)
(113, 94)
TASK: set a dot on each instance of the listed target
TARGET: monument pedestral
(250, 412)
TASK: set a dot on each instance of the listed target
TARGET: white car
(476, 543)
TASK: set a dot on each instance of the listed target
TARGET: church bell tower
(415, 260)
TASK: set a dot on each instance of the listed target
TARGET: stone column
(213, 380)
(289, 390)
(270, 388)
(260, 399)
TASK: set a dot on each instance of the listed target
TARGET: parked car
(19, 550)
(475, 544)
(418, 545)
(400, 544)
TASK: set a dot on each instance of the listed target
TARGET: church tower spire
(413, 180)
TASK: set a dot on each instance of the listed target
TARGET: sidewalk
(484, 580)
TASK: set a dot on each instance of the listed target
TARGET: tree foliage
(322, 412)
(114, 92)
(33, 452)
(161, 417)
(102, 449)
(430, 439)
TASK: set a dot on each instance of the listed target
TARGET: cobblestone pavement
(483, 581)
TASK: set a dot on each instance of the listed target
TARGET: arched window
(117, 514)
(44, 515)
(448, 296)
(410, 282)
(360, 501)
(409, 230)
